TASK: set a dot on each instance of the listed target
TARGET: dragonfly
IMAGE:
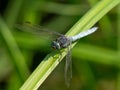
(59, 43)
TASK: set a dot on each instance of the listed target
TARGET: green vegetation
(26, 60)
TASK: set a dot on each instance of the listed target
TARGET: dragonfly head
(55, 45)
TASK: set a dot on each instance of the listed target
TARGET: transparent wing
(35, 29)
(68, 66)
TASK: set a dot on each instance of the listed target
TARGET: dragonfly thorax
(61, 42)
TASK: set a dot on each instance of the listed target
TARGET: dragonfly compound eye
(55, 45)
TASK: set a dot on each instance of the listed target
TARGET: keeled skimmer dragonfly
(61, 42)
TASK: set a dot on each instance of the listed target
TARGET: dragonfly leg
(60, 55)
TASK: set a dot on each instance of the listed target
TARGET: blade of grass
(118, 27)
(105, 24)
(16, 55)
(52, 60)
(12, 11)
(65, 9)
(96, 54)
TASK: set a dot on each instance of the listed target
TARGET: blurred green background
(95, 59)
